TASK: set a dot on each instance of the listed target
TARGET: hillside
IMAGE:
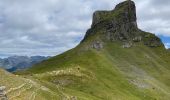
(14, 87)
(115, 61)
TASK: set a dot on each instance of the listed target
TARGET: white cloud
(167, 45)
(49, 27)
(153, 16)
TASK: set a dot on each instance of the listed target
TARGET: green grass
(108, 72)
(19, 88)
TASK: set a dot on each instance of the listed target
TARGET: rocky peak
(120, 24)
(125, 12)
(121, 21)
(128, 10)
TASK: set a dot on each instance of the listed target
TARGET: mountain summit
(120, 24)
(125, 12)
(115, 61)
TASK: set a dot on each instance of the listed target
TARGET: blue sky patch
(166, 41)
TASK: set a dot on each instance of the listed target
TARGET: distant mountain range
(14, 63)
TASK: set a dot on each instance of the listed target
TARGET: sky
(50, 27)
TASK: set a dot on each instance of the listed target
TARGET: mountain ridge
(14, 63)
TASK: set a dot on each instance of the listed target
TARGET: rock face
(126, 11)
(120, 24)
(2, 93)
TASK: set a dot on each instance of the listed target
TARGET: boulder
(3, 93)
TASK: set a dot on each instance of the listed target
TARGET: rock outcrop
(2, 93)
(120, 24)
(97, 45)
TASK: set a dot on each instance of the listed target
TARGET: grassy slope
(113, 73)
(19, 88)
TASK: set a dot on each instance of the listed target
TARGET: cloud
(49, 27)
(153, 16)
(167, 45)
